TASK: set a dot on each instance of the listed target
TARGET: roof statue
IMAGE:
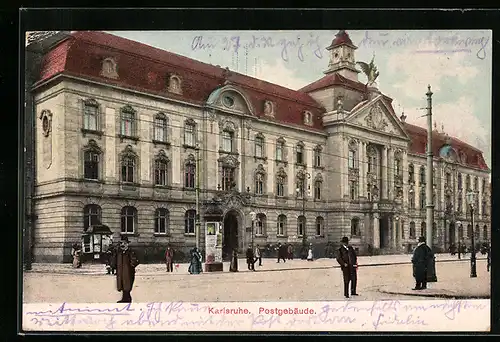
(370, 70)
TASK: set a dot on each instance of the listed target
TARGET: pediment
(229, 161)
(377, 116)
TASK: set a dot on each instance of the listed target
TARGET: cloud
(418, 69)
(458, 120)
(278, 73)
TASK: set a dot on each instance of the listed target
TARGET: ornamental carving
(371, 177)
(398, 180)
(281, 172)
(174, 84)
(268, 108)
(307, 116)
(227, 125)
(109, 68)
(376, 118)
(353, 174)
(229, 161)
(353, 144)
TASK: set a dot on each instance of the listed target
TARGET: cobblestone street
(381, 277)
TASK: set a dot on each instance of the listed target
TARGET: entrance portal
(230, 241)
(384, 232)
(451, 233)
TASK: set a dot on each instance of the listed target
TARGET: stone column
(390, 173)
(345, 169)
(376, 230)
(383, 190)
(362, 168)
(405, 177)
(394, 232)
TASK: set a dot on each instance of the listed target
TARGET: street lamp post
(305, 185)
(253, 215)
(471, 195)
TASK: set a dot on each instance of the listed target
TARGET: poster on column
(213, 242)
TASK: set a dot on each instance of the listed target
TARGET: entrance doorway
(384, 232)
(451, 233)
(230, 240)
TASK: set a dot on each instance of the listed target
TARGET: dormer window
(109, 68)
(307, 118)
(174, 84)
(268, 108)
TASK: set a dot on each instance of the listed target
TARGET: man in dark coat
(281, 250)
(421, 257)
(250, 258)
(126, 262)
(169, 259)
(348, 261)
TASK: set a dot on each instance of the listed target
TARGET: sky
(457, 65)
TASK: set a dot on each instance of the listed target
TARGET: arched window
(91, 161)
(161, 221)
(260, 225)
(190, 133)
(189, 221)
(281, 225)
(92, 215)
(160, 128)
(469, 231)
(91, 115)
(128, 220)
(467, 183)
(318, 186)
(422, 175)
(459, 181)
(485, 232)
(355, 231)
(161, 169)
(423, 228)
(128, 165)
(299, 154)
(280, 183)
(301, 225)
(280, 149)
(128, 122)
(317, 156)
(259, 146)
(411, 199)
(260, 180)
(411, 173)
(190, 172)
(320, 222)
(413, 233)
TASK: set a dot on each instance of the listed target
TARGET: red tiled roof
(418, 142)
(333, 79)
(145, 68)
(341, 38)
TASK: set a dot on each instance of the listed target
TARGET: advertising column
(213, 246)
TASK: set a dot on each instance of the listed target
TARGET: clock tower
(342, 56)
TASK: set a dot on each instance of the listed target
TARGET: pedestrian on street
(169, 259)
(348, 261)
(233, 266)
(111, 259)
(76, 252)
(281, 252)
(195, 264)
(310, 253)
(258, 255)
(250, 258)
(126, 262)
(290, 251)
(420, 260)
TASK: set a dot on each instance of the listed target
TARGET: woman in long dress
(310, 253)
(233, 266)
(76, 253)
(195, 265)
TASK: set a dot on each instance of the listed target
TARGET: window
(259, 147)
(91, 165)
(422, 199)
(411, 199)
(353, 190)
(469, 231)
(228, 179)
(227, 141)
(281, 226)
(317, 157)
(128, 220)
(422, 175)
(189, 221)
(485, 232)
(320, 222)
(355, 227)
(161, 221)
(483, 186)
(280, 151)
(260, 224)
(301, 225)
(300, 188)
(412, 230)
(352, 158)
(449, 205)
(448, 179)
(423, 227)
(476, 232)
(161, 173)
(190, 175)
(467, 183)
(317, 190)
(397, 166)
(299, 154)
(411, 173)
(476, 184)
(280, 184)
(459, 203)
(127, 127)
(90, 115)
(459, 181)
(128, 169)
(189, 133)
(259, 183)
(160, 128)
(484, 208)
(92, 215)
(372, 159)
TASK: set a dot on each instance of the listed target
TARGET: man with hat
(126, 262)
(348, 261)
(420, 260)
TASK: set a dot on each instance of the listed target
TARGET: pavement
(380, 277)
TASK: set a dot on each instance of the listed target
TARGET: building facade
(126, 134)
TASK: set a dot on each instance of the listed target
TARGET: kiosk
(95, 243)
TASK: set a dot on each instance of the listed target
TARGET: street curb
(430, 295)
(69, 271)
